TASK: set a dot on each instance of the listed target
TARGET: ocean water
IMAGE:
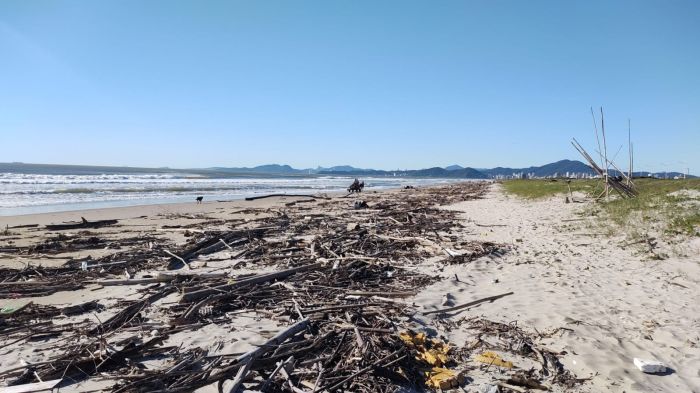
(22, 193)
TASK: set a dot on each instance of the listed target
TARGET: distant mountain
(58, 169)
(339, 168)
(556, 169)
(357, 172)
(266, 169)
(275, 168)
(559, 168)
(567, 168)
(463, 173)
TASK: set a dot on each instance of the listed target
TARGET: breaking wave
(31, 193)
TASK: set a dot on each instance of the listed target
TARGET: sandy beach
(584, 305)
(349, 197)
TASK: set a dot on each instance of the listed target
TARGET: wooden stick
(226, 244)
(470, 304)
(31, 387)
(341, 307)
(285, 195)
(244, 361)
(388, 294)
(274, 372)
(134, 281)
(512, 387)
(629, 147)
(595, 126)
(632, 147)
(202, 293)
(106, 264)
(80, 224)
(160, 277)
(240, 375)
(25, 283)
(605, 152)
(178, 258)
(357, 374)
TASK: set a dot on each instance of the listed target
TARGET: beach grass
(673, 206)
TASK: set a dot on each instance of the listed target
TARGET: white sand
(619, 305)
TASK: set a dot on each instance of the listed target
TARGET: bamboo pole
(595, 126)
(629, 145)
(605, 152)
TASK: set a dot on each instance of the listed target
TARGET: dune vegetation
(672, 206)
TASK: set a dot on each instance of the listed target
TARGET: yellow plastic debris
(433, 357)
(440, 346)
(407, 337)
(432, 351)
(419, 339)
(412, 339)
(428, 358)
(489, 357)
(443, 378)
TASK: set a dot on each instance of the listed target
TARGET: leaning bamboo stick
(629, 147)
(605, 152)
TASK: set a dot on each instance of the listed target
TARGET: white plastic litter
(488, 388)
(649, 366)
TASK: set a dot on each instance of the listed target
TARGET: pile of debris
(340, 281)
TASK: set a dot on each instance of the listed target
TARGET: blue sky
(390, 84)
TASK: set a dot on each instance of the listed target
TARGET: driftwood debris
(84, 224)
(335, 281)
(286, 195)
(195, 294)
(31, 387)
(82, 308)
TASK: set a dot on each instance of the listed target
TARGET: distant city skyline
(384, 85)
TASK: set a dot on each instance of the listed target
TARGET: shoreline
(134, 211)
(209, 195)
(122, 212)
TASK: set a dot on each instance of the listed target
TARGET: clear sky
(384, 84)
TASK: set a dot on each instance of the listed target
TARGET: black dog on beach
(199, 199)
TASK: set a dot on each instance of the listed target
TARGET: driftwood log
(84, 224)
(285, 195)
